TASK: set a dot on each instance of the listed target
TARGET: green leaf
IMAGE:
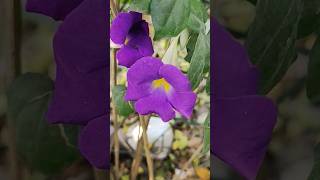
(315, 173)
(191, 45)
(198, 15)
(140, 5)
(43, 147)
(208, 86)
(310, 19)
(206, 135)
(271, 39)
(169, 17)
(123, 108)
(200, 60)
(313, 85)
(22, 92)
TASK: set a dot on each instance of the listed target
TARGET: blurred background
(291, 153)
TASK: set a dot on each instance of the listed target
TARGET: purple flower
(159, 88)
(242, 121)
(132, 33)
(81, 85)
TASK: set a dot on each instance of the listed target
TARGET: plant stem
(136, 161)
(137, 156)
(146, 147)
(13, 66)
(115, 120)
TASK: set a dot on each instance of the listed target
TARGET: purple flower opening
(242, 122)
(81, 85)
(131, 32)
(159, 88)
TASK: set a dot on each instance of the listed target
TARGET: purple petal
(80, 41)
(128, 55)
(57, 9)
(135, 92)
(175, 77)
(241, 131)
(78, 99)
(93, 142)
(155, 103)
(139, 28)
(232, 72)
(183, 102)
(144, 70)
(143, 43)
(121, 26)
(138, 47)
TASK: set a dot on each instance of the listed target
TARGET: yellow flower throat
(161, 83)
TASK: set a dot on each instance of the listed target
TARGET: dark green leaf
(169, 17)
(310, 19)
(123, 108)
(206, 135)
(208, 86)
(200, 60)
(315, 173)
(23, 92)
(271, 39)
(140, 5)
(43, 147)
(191, 45)
(313, 85)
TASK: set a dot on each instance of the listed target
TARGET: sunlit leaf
(180, 140)
(200, 60)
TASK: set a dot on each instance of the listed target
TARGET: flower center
(161, 83)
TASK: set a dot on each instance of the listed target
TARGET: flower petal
(80, 42)
(93, 142)
(57, 9)
(139, 28)
(183, 102)
(175, 77)
(155, 103)
(127, 56)
(135, 92)
(121, 26)
(143, 43)
(138, 47)
(241, 131)
(144, 70)
(232, 72)
(77, 100)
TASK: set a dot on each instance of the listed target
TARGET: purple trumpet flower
(131, 32)
(81, 85)
(159, 88)
(242, 121)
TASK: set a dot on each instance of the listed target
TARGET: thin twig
(146, 148)
(136, 161)
(115, 121)
(13, 65)
(194, 155)
(138, 155)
